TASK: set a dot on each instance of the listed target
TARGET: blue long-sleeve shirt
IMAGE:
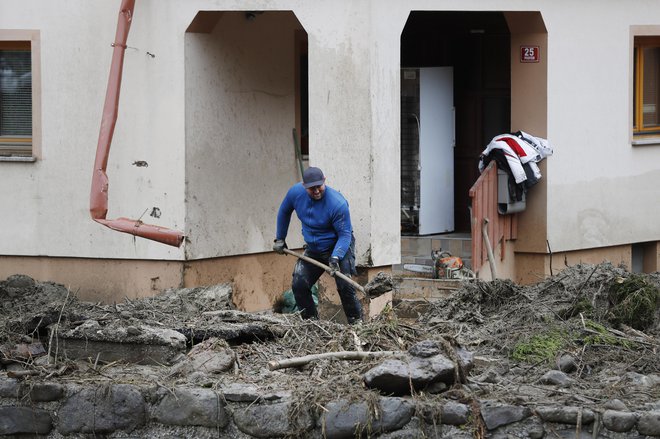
(326, 223)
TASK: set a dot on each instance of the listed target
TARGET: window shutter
(15, 101)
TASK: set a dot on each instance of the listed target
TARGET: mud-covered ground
(580, 317)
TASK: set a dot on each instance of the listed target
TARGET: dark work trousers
(306, 274)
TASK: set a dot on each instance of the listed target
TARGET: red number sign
(530, 54)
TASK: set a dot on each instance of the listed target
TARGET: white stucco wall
(601, 190)
(339, 105)
(46, 212)
(240, 112)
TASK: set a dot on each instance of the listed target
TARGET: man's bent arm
(284, 217)
(342, 224)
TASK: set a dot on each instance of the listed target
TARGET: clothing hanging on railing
(517, 154)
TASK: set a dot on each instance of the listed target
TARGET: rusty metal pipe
(98, 200)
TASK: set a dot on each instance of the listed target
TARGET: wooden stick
(22, 373)
(327, 269)
(56, 329)
(341, 355)
(489, 250)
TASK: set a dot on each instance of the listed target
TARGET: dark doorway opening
(477, 45)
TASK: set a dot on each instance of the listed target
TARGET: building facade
(216, 97)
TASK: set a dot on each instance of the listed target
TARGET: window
(19, 95)
(646, 96)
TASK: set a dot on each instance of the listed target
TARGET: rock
(616, 404)
(466, 358)
(454, 413)
(495, 415)
(200, 379)
(450, 413)
(24, 420)
(640, 380)
(102, 410)
(8, 388)
(395, 376)
(19, 281)
(274, 420)
(42, 392)
(212, 356)
(203, 407)
(567, 363)
(556, 378)
(619, 421)
(133, 330)
(343, 419)
(649, 423)
(652, 406)
(182, 366)
(565, 415)
(425, 349)
(530, 428)
(237, 392)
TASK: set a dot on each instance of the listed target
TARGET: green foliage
(634, 302)
(582, 306)
(539, 348)
(603, 337)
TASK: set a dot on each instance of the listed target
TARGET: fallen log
(341, 355)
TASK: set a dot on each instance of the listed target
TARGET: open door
(436, 150)
(427, 150)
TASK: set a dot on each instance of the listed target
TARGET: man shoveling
(328, 234)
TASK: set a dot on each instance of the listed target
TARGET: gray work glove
(279, 246)
(334, 265)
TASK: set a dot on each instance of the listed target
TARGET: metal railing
(486, 220)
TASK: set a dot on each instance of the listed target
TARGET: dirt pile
(599, 324)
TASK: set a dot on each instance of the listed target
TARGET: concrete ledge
(107, 352)
(422, 288)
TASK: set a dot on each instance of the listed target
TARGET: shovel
(366, 292)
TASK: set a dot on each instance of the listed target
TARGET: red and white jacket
(528, 150)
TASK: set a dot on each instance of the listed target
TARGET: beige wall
(259, 280)
(100, 280)
(529, 100)
(530, 268)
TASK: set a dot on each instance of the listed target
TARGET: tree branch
(342, 355)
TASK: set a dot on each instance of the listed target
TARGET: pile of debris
(576, 354)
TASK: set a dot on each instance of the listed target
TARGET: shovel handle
(327, 269)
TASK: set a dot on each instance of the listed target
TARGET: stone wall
(53, 410)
